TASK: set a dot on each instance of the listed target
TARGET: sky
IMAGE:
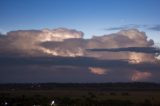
(79, 41)
(90, 16)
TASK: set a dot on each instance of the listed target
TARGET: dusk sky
(90, 16)
(79, 40)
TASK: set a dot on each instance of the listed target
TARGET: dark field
(97, 94)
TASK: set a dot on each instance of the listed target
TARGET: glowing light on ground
(52, 103)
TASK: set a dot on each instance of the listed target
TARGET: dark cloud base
(149, 50)
(67, 69)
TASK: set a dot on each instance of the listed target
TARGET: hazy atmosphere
(79, 41)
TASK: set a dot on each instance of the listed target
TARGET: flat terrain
(104, 94)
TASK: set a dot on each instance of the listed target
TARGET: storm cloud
(151, 50)
(118, 70)
(26, 42)
(62, 54)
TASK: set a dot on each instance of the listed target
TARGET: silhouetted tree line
(86, 86)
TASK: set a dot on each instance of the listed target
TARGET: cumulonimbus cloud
(27, 42)
(66, 47)
(69, 42)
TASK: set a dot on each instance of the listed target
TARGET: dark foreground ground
(95, 94)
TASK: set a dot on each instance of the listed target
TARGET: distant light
(5, 103)
(52, 103)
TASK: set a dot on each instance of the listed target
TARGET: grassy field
(80, 95)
